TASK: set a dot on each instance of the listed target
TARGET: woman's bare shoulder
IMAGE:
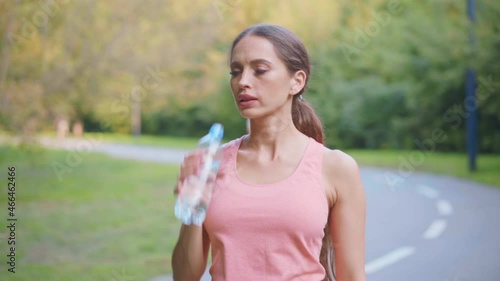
(337, 161)
(340, 170)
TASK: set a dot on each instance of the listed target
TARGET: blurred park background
(388, 80)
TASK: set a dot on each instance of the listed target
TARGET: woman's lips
(245, 100)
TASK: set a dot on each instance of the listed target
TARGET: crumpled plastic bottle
(191, 206)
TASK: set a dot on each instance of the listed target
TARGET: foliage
(386, 74)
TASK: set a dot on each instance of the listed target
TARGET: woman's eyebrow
(235, 64)
(257, 61)
(253, 62)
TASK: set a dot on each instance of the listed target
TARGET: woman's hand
(191, 166)
(187, 181)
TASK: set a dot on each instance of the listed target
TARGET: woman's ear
(298, 82)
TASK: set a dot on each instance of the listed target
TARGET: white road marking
(427, 191)
(435, 229)
(388, 259)
(444, 207)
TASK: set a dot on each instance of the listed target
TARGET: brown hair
(293, 53)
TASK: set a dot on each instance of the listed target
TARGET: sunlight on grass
(104, 218)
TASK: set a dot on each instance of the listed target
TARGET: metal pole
(470, 95)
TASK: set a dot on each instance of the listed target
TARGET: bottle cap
(216, 132)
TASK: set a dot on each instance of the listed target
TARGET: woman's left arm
(347, 215)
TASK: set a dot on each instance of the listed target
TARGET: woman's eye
(234, 73)
(260, 71)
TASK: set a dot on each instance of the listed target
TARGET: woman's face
(260, 82)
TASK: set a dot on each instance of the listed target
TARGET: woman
(284, 207)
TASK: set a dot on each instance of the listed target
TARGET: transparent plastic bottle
(190, 207)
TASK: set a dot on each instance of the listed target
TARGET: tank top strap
(230, 151)
(228, 163)
(312, 162)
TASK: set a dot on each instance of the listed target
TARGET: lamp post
(470, 94)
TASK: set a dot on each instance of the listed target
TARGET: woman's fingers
(176, 188)
(190, 167)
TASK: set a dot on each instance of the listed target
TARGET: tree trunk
(5, 56)
(136, 117)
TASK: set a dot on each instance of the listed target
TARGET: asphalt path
(420, 227)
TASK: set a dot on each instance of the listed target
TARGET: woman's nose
(245, 79)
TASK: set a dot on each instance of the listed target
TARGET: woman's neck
(273, 136)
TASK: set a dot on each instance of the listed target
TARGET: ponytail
(307, 122)
(327, 255)
(305, 119)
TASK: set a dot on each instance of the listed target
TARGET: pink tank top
(268, 231)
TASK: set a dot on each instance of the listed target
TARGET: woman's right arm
(189, 259)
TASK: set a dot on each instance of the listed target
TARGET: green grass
(104, 219)
(163, 141)
(453, 164)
